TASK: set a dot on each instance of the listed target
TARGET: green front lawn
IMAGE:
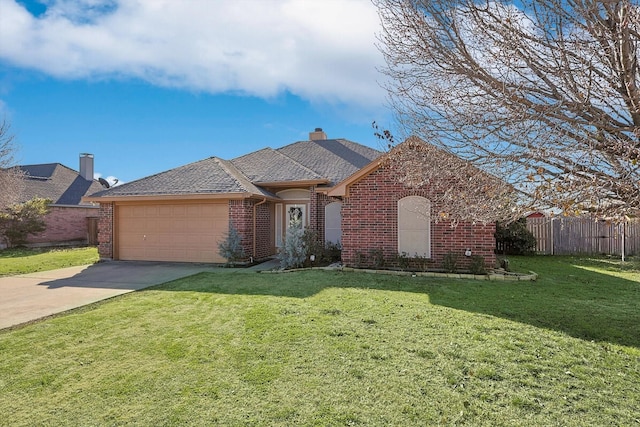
(23, 260)
(331, 348)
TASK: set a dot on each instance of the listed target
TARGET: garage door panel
(166, 211)
(187, 232)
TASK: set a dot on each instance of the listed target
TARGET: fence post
(553, 241)
(624, 224)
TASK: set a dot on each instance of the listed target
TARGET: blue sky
(148, 85)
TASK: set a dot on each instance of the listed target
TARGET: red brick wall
(264, 231)
(370, 222)
(65, 224)
(241, 217)
(105, 231)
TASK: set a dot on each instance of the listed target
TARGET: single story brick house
(336, 187)
(70, 220)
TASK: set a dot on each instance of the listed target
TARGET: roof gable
(435, 156)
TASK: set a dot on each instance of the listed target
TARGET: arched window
(333, 222)
(414, 226)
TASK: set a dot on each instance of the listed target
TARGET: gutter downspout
(254, 225)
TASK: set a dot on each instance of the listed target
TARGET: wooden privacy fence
(581, 235)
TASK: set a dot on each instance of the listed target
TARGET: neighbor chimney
(86, 166)
(317, 135)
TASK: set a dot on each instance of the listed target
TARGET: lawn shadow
(583, 304)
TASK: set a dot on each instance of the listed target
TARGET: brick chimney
(86, 166)
(317, 135)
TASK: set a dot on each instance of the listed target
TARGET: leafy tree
(19, 221)
(542, 93)
(231, 247)
(11, 183)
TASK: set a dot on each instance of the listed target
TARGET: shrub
(422, 262)
(332, 252)
(450, 262)
(231, 247)
(312, 245)
(403, 260)
(377, 257)
(18, 221)
(361, 259)
(515, 238)
(293, 253)
(477, 265)
(300, 244)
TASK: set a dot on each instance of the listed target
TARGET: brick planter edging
(508, 277)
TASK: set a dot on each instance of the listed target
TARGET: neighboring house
(333, 186)
(68, 221)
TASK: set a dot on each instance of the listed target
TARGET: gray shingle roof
(208, 176)
(269, 165)
(56, 182)
(331, 160)
(334, 159)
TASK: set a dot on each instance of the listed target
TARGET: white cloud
(322, 50)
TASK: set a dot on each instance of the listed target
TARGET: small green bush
(231, 247)
(477, 265)
(19, 221)
(312, 246)
(332, 252)
(361, 259)
(377, 257)
(421, 262)
(450, 262)
(293, 252)
(515, 238)
(403, 261)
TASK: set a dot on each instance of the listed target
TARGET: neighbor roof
(54, 181)
(319, 162)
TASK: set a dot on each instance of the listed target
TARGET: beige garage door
(188, 232)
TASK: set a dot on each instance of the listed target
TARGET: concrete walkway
(32, 296)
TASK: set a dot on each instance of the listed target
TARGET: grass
(23, 260)
(331, 348)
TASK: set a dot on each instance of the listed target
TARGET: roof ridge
(38, 164)
(242, 180)
(297, 162)
(382, 151)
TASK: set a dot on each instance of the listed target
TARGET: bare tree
(542, 93)
(459, 190)
(11, 183)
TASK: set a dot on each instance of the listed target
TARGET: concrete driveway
(32, 296)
